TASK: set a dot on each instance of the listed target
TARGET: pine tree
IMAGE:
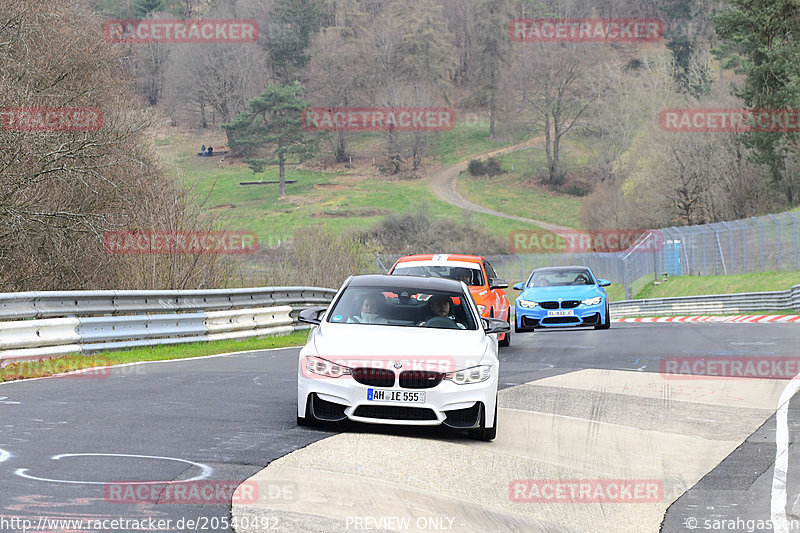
(270, 131)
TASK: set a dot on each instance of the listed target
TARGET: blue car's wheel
(605, 324)
(518, 329)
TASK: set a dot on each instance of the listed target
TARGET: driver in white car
(440, 307)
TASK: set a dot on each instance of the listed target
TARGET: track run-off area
(592, 437)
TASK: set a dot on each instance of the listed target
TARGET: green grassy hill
(336, 196)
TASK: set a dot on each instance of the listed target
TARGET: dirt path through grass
(443, 184)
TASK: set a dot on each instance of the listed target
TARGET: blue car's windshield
(556, 278)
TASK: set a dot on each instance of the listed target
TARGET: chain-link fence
(755, 244)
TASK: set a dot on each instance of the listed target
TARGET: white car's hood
(363, 342)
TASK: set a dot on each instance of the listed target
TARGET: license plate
(397, 396)
(561, 312)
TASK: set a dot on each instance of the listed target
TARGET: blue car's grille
(566, 304)
(561, 320)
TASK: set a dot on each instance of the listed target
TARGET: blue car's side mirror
(519, 286)
(603, 282)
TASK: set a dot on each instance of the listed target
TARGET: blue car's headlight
(592, 301)
(527, 303)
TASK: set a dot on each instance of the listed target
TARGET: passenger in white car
(369, 314)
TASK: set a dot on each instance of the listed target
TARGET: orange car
(484, 283)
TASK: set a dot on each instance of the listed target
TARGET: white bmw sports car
(401, 350)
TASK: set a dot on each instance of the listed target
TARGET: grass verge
(734, 283)
(57, 365)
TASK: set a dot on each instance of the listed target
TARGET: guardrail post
(744, 245)
(794, 239)
(761, 231)
(655, 259)
(778, 236)
(731, 260)
(628, 291)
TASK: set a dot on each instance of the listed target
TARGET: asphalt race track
(575, 405)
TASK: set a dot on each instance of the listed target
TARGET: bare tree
(62, 190)
(213, 82)
(559, 91)
(693, 178)
(332, 82)
(149, 63)
(630, 94)
(408, 51)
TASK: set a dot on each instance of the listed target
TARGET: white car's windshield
(408, 307)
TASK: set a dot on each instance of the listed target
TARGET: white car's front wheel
(484, 433)
(309, 420)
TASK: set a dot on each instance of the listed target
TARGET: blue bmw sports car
(562, 296)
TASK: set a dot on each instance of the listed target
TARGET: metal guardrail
(29, 328)
(709, 304)
(76, 303)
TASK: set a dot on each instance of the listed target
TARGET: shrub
(416, 233)
(493, 167)
(490, 168)
(476, 168)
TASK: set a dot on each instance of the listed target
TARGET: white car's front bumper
(440, 400)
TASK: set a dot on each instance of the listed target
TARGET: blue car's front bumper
(584, 315)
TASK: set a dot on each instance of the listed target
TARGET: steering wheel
(441, 322)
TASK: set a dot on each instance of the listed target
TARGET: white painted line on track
(720, 319)
(4, 455)
(206, 470)
(778, 500)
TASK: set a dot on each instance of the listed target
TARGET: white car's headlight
(474, 374)
(592, 301)
(527, 303)
(323, 367)
(481, 309)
